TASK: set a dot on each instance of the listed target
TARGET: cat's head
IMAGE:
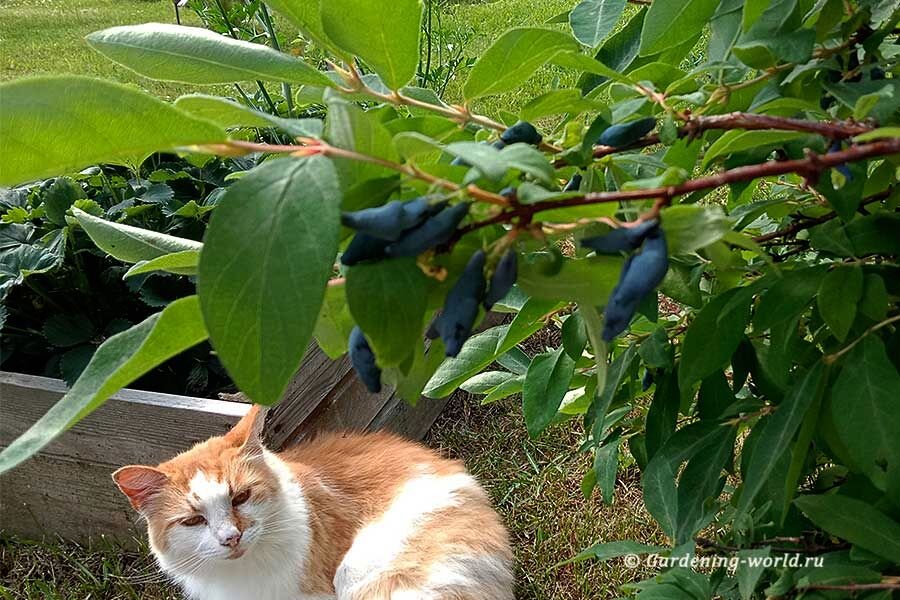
(213, 503)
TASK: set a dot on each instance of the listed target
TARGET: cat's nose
(231, 538)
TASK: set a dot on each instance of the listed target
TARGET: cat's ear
(247, 433)
(140, 483)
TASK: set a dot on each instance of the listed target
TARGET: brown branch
(838, 130)
(810, 222)
(809, 168)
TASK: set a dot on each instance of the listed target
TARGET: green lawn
(47, 37)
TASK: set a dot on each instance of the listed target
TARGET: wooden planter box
(66, 490)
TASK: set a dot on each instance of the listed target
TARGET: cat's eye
(194, 521)
(239, 499)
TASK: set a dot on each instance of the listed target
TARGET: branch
(809, 167)
(831, 358)
(460, 114)
(808, 223)
(695, 126)
(316, 146)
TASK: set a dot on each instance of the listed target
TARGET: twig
(695, 126)
(459, 113)
(315, 146)
(831, 358)
(807, 223)
(809, 167)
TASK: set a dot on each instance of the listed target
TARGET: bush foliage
(716, 238)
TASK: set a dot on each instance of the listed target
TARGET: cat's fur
(342, 517)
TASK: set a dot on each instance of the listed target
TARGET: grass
(535, 484)
(47, 37)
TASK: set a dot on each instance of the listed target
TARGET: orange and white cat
(342, 517)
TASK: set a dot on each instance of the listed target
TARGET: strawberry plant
(709, 216)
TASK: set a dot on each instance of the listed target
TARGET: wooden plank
(67, 489)
(313, 385)
(402, 418)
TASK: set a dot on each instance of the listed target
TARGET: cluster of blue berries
(642, 272)
(399, 229)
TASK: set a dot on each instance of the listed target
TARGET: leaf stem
(832, 358)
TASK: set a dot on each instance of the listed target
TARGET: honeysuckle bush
(718, 245)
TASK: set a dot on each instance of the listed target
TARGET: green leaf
(788, 298)
(878, 134)
(485, 158)
(714, 336)
(55, 125)
(182, 263)
(842, 193)
(662, 415)
(556, 102)
(385, 35)
(228, 113)
(874, 302)
(486, 381)
(306, 15)
(387, 299)
(856, 521)
(546, 384)
(349, 127)
(668, 24)
(65, 330)
(616, 374)
(120, 360)
(608, 550)
(574, 335)
(874, 234)
(617, 53)
(699, 485)
(195, 55)
(530, 160)
(593, 20)
(128, 243)
(266, 260)
(750, 570)
(865, 396)
(656, 351)
(513, 58)
(733, 142)
(30, 259)
(778, 431)
(661, 495)
(606, 464)
(581, 62)
(838, 297)
(513, 385)
(477, 353)
(61, 195)
(588, 281)
(334, 324)
(528, 320)
(689, 228)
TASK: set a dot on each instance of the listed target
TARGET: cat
(349, 516)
